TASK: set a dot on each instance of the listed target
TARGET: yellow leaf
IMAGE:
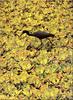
(23, 76)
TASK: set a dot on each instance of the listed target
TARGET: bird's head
(25, 31)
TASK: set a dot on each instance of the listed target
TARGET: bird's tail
(51, 35)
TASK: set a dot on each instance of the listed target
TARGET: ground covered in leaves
(29, 73)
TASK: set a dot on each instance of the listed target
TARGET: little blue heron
(39, 34)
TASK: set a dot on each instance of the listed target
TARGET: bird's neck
(30, 34)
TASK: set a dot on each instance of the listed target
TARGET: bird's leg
(50, 41)
(40, 45)
(50, 45)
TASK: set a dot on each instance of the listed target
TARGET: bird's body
(39, 34)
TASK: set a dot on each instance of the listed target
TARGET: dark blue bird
(39, 34)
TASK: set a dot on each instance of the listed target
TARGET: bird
(39, 34)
